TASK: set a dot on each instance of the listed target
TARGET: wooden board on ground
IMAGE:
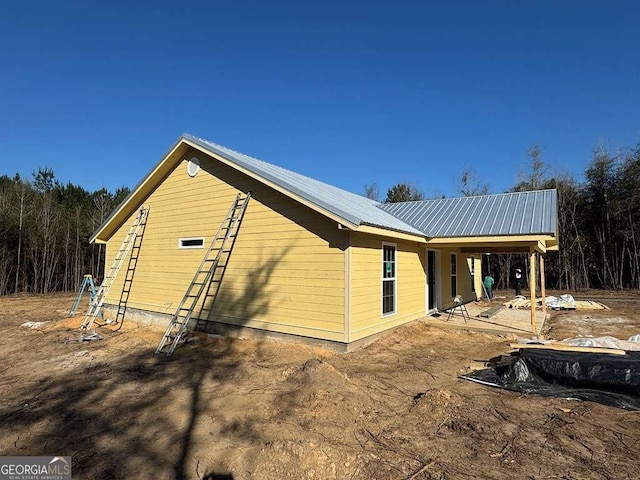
(492, 311)
(517, 303)
(590, 305)
(568, 348)
(525, 303)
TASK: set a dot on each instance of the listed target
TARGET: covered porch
(506, 320)
(475, 226)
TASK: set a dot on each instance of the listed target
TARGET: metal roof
(353, 208)
(502, 214)
(518, 213)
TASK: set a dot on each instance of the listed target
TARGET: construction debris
(567, 302)
(564, 302)
(633, 344)
(590, 305)
(518, 302)
(605, 344)
(561, 302)
(492, 311)
(595, 376)
(32, 324)
(567, 348)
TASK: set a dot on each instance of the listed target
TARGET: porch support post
(542, 286)
(532, 288)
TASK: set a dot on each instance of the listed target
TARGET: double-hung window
(388, 279)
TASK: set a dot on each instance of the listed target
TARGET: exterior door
(432, 280)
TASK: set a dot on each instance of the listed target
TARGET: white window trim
(395, 281)
(189, 247)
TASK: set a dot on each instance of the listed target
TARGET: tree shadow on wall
(122, 412)
(240, 300)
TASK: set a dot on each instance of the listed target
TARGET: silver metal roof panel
(353, 208)
(519, 213)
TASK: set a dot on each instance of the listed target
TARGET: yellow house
(311, 261)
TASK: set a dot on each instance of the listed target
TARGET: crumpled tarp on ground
(603, 378)
(563, 301)
(633, 344)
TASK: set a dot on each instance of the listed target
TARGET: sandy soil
(223, 408)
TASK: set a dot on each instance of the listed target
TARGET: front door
(432, 280)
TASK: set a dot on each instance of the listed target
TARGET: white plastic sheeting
(563, 301)
(633, 344)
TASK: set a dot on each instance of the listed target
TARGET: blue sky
(346, 92)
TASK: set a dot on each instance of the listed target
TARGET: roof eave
(498, 243)
(139, 192)
(168, 162)
(389, 232)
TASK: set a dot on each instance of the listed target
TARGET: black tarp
(604, 378)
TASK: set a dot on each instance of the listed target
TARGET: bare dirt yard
(224, 408)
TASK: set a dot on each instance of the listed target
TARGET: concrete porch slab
(506, 321)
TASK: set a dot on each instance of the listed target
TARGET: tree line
(45, 225)
(45, 228)
(598, 220)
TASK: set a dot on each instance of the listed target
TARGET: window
(195, 242)
(473, 273)
(388, 279)
(454, 275)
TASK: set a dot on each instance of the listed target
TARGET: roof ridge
(470, 196)
(217, 145)
(283, 169)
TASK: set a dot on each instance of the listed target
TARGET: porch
(505, 321)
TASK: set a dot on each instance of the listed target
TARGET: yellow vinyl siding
(292, 270)
(286, 272)
(366, 284)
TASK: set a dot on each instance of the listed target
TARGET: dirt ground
(224, 408)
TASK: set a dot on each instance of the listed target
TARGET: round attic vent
(193, 167)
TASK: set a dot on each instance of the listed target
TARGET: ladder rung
(212, 258)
